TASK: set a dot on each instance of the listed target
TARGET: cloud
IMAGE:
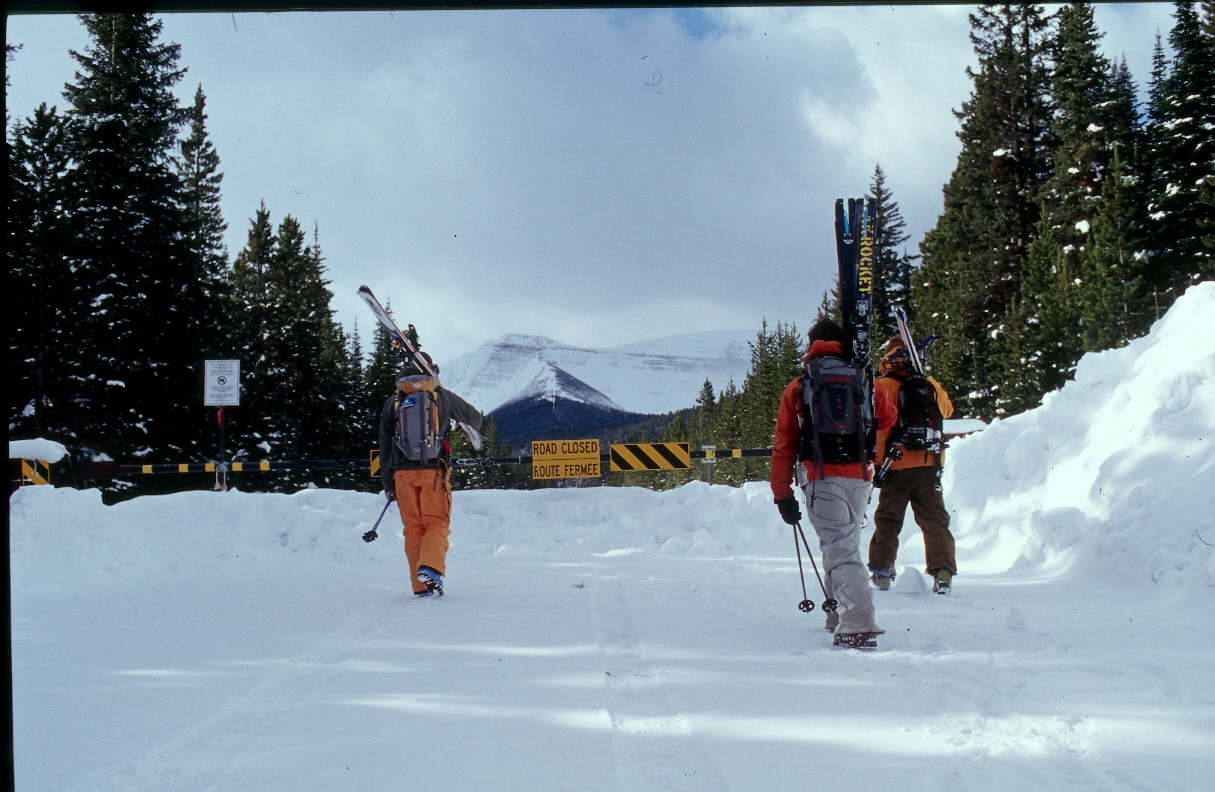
(596, 176)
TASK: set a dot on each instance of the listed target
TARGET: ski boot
(864, 640)
(942, 581)
(833, 621)
(882, 577)
(432, 580)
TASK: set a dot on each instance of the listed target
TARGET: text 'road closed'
(556, 459)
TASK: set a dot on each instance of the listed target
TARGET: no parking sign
(222, 383)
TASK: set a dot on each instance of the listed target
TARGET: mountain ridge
(642, 378)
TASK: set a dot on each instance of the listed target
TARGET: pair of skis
(856, 248)
(856, 231)
(409, 342)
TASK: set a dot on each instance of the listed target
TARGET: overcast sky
(596, 176)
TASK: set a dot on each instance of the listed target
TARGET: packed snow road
(183, 646)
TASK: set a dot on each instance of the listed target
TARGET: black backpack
(920, 424)
(838, 397)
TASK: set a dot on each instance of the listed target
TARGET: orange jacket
(790, 417)
(890, 386)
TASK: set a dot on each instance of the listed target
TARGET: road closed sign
(558, 459)
(222, 383)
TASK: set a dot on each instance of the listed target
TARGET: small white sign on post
(222, 387)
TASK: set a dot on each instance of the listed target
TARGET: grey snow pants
(837, 511)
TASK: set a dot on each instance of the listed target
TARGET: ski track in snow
(686, 674)
(202, 756)
(654, 745)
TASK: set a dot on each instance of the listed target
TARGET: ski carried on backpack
(855, 233)
(920, 426)
(409, 342)
(855, 238)
(913, 349)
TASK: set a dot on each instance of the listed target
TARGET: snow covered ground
(621, 639)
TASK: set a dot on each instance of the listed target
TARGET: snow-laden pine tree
(892, 264)
(47, 365)
(140, 396)
(305, 361)
(245, 310)
(1090, 120)
(197, 164)
(1181, 136)
(974, 256)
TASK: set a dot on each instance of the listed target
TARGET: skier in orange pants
(415, 424)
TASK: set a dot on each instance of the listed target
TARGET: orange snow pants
(424, 499)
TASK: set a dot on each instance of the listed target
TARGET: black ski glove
(789, 511)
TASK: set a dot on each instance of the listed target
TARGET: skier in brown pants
(915, 479)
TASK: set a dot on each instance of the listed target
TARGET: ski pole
(371, 535)
(829, 604)
(893, 454)
(806, 605)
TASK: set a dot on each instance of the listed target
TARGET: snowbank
(46, 450)
(64, 538)
(1114, 473)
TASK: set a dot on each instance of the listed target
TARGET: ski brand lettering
(865, 268)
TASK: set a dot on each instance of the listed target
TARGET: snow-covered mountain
(648, 378)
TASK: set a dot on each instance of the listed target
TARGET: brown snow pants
(920, 487)
(424, 499)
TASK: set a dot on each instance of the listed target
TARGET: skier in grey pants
(837, 512)
(837, 494)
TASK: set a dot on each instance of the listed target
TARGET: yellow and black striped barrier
(621, 457)
(649, 456)
(714, 454)
(206, 467)
(35, 471)
(105, 470)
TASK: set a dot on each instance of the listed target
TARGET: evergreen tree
(829, 306)
(972, 259)
(376, 384)
(142, 398)
(1151, 172)
(706, 401)
(892, 266)
(380, 373)
(197, 166)
(499, 476)
(1111, 267)
(10, 52)
(775, 360)
(305, 361)
(47, 362)
(1182, 111)
(1054, 296)
(246, 312)
(729, 431)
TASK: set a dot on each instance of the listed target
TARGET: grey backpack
(417, 434)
